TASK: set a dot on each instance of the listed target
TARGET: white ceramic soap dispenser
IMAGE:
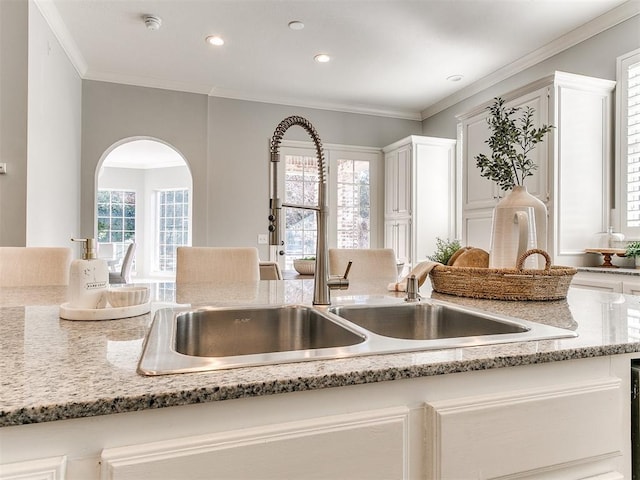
(88, 278)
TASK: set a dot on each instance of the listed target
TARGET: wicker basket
(517, 283)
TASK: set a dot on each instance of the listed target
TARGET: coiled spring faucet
(322, 282)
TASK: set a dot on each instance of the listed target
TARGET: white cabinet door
(397, 235)
(41, 469)
(372, 445)
(398, 181)
(570, 429)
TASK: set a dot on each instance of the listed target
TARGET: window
(173, 227)
(354, 204)
(117, 219)
(352, 198)
(628, 142)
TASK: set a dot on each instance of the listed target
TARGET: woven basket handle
(523, 257)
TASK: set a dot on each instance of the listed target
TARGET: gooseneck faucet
(322, 282)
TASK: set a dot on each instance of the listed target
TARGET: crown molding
(60, 31)
(610, 19)
(301, 103)
(147, 82)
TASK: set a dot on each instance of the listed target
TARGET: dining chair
(270, 271)
(210, 264)
(375, 265)
(124, 275)
(34, 266)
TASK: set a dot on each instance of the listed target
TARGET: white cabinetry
(420, 195)
(607, 282)
(566, 419)
(365, 445)
(573, 163)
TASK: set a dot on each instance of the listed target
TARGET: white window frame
(333, 153)
(622, 64)
(155, 268)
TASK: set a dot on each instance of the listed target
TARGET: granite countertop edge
(214, 393)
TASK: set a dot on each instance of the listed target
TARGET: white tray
(69, 313)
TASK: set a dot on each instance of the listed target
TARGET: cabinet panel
(476, 228)
(525, 432)
(397, 235)
(363, 445)
(42, 469)
(398, 181)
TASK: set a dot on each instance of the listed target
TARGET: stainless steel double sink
(216, 338)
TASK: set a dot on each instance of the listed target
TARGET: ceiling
(389, 57)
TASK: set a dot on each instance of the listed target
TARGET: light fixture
(322, 58)
(215, 40)
(152, 22)
(296, 25)
(454, 78)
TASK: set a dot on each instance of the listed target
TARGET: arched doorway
(143, 195)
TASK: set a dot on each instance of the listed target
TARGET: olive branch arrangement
(510, 143)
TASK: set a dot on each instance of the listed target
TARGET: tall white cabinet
(574, 161)
(420, 195)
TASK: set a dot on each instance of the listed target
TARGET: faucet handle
(346, 272)
(340, 283)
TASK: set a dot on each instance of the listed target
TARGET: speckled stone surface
(618, 271)
(54, 369)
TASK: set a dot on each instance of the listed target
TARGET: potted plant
(444, 250)
(511, 142)
(633, 250)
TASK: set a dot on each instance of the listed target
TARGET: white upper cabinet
(420, 195)
(573, 161)
(398, 181)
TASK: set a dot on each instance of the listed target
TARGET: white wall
(53, 145)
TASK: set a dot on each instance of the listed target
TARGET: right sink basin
(426, 321)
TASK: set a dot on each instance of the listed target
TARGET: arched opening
(143, 195)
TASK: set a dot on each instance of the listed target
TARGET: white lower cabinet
(559, 420)
(537, 433)
(370, 445)
(37, 469)
(607, 282)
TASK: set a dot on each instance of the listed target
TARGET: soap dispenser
(88, 278)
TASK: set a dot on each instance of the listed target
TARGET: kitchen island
(73, 403)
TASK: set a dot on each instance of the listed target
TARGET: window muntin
(173, 226)
(353, 202)
(117, 219)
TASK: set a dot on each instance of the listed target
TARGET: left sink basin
(216, 338)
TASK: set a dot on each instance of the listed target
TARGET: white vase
(503, 239)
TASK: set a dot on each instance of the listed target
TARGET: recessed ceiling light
(296, 25)
(322, 58)
(455, 78)
(215, 40)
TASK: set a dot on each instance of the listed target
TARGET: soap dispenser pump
(88, 278)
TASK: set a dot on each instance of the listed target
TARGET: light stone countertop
(54, 369)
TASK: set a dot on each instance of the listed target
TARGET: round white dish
(88, 314)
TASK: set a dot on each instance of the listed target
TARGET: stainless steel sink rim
(159, 357)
